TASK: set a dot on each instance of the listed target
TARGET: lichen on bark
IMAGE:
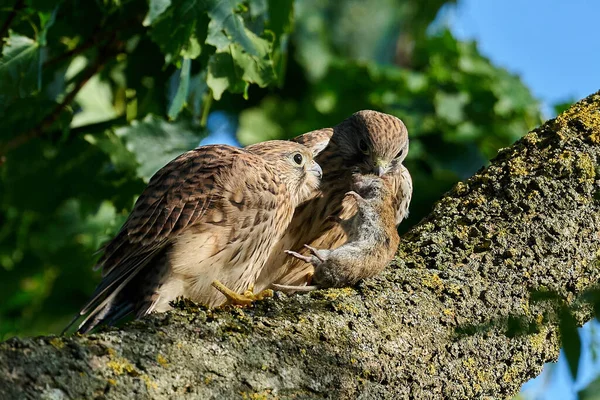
(454, 316)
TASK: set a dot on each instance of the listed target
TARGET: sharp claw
(241, 299)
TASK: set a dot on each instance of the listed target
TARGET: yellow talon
(245, 299)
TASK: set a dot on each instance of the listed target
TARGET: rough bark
(452, 317)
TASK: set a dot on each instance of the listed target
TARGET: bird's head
(295, 167)
(371, 141)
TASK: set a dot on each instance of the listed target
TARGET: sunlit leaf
(20, 67)
(226, 27)
(155, 142)
(156, 8)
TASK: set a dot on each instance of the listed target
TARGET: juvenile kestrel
(372, 237)
(368, 142)
(212, 214)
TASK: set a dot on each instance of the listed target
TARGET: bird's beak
(316, 170)
(380, 167)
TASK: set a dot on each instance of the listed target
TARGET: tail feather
(110, 302)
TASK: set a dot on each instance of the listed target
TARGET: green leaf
(173, 29)
(155, 142)
(20, 69)
(226, 27)
(591, 392)
(198, 88)
(96, 102)
(157, 7)
(450, 107)
(223, 74)
(182, 84)
(570, 341)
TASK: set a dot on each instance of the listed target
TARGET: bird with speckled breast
(372, 236)
(368, 142)
(210, 216)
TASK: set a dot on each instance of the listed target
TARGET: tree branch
(529, 222)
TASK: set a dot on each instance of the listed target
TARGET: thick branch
(431, 325)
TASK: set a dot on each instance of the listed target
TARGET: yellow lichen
(112, 382)
(538, 341)
(120, 365)
(57, 343)
(525, 307)
(256, 396)
(517, 166)
(454, 289)
(432, 369)
(532, 138)
(434, 282)
(150, 384)
(345, 307)
(461, 188)
(161, 360)
(333, 294)
(469, 363)
(587, 113)
(586, 167)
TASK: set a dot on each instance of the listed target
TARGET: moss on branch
(453, 316)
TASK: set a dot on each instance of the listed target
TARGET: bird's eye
(400, 153)
(362, 146)
(298, 159)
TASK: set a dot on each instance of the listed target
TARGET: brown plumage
(213, 213)
(372, 237)
(367, 142)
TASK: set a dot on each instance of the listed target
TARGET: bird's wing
(317, 140)
(185, 192)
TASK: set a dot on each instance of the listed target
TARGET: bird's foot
(245, 299)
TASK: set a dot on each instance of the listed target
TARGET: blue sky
(555, 47)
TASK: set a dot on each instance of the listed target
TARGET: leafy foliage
(95, 96)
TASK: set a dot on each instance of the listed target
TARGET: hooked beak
(380, 167)
(316, 170)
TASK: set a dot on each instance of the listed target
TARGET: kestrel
(372, 236)
(212, 214)
(368, 142)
